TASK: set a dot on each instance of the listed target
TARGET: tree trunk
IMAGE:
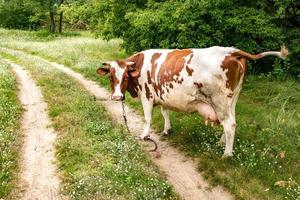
(52, 22)
(60, 18)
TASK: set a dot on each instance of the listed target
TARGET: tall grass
(267, 145)
(10, 137)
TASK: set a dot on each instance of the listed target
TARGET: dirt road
(38, 177)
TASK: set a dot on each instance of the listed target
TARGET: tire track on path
(180, 170)
(38, 178)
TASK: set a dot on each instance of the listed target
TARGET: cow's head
(119, 74)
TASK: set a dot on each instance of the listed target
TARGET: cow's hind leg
(232, 114)
(229, 130)
(167, 127)
(226, 116)
(147, 107)
(222, 140)
(230, 123)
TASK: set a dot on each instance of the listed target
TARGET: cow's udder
(207, 112)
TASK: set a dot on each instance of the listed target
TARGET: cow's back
(178, 79)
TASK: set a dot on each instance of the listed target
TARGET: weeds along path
(38, 179)
(180, 171)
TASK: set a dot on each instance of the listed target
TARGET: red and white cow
(207, 81)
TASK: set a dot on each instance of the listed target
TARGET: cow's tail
(283, 53)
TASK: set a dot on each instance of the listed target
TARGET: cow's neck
(133, 87)
(133, 84)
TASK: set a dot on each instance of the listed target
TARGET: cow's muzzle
(117, 98)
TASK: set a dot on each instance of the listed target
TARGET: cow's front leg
(165, 114)
(147, 107)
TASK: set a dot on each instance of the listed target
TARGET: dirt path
(38, 179)
(180, 171)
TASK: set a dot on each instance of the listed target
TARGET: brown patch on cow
(124, 84)
(180, 81)
(113, 79)
(121, 64)
(199, 85)
(148, 93)
(148, 77)
(154, 58)
(133, 85)
(173, 65)
(189, 70)
(153, 69)
(230, 95)
(189, 61)
(233, 68)
(171, 85)
(169, 70)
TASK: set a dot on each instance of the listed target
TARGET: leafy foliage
(20, 14)
(253, 26)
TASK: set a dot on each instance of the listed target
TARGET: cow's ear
(104, 69)
(132, 71)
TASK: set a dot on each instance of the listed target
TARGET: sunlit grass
(10, 137)
(267, 144)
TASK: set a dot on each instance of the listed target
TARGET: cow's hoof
(144, 137)
(168, 132)
(227, 155)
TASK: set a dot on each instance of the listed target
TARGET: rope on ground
(126, 124)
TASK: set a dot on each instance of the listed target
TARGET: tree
(60, 18)
(52, 9)
(21, 14)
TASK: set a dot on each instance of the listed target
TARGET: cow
(207, 81)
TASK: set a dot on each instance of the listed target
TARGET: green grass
(10, 137)
(97, 159)
(268, 115)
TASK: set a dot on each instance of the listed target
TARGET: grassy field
(96, 158)
(266, 162)
(10, 138)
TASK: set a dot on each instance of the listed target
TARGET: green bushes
(200, 24)
(20, 14)
(253, 26)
